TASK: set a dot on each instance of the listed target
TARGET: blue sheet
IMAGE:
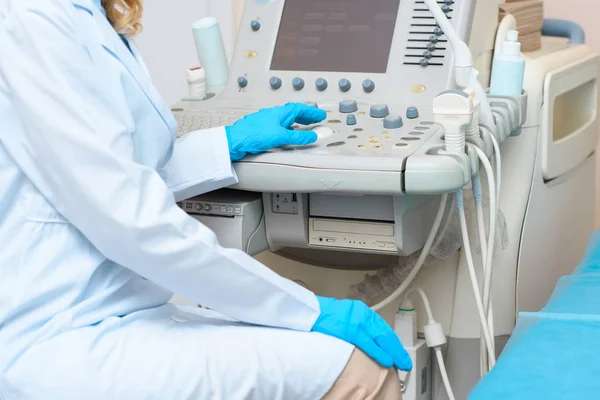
(554, 353)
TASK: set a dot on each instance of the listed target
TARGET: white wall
(167, 43)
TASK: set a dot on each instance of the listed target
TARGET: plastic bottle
(508, 71)
(196, 79)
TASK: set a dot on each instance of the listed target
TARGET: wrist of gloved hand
(355, 323)
(235, 154)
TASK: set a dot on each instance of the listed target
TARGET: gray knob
(298, 83)
(255, 25)
(449, 2)
(368, 85)
(275, 82)
(412, 112)
(321, 84)
(242, 82)
(438, 31)
(433, 39)
(392, 122)
(427, 55)
(345, 85)
(431, 46)
(445, 8)
(348, 106)
(379, 111)
(423, 62)
(351, 120)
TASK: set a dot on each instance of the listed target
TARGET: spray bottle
(508, 70)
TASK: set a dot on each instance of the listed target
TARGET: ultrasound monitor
(335, 36)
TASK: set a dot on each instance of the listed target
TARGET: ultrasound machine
(408, 123)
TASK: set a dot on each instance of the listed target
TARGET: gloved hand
(270, 128)
(355, 323)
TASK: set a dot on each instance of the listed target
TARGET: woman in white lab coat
(94, 245)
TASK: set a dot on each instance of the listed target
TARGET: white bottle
(196, 79)
(508, 71)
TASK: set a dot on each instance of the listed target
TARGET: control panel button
(351, 120)
(412, 112)
(275, 82)
(199, 207)
(431, 46)
(255, 25)
(423, 62)
(298, 83)
(379, 111)
(427, 54)
(434, 39)
(445, 8)
(207, 207)
(321, 84)
(438, 31)
(323, 131)
(242, 82)
(345, 85)
(348, 106)
(368, 85)
(393, 122)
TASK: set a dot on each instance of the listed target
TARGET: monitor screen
(335, 35)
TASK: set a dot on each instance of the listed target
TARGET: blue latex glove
(272, 127)
(355, 323)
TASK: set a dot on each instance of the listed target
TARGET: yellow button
(418, 89)
(373, 137)
(378, 147)
(250, 54)
(361, 146)
(387, 138)
(374, 142)
(362, 113)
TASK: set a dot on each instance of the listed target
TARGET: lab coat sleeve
(200, 163)
(67, 138)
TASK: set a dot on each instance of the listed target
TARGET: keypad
(198, 120)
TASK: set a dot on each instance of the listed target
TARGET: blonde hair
(124, 15)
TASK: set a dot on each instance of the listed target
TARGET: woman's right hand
(272, 127)
(354, 322)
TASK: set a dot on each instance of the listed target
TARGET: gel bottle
(508, 71)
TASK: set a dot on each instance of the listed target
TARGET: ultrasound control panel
(375, 66)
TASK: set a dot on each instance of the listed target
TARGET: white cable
(478, 196)
(463, 59)
(262, 222)
(487, 284)
(446, 225)
(486, 116)
(473, 276)
(488, 267)
(442, 365)
(426, 304)
(422, 257)
(439, 337)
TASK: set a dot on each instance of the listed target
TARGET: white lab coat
(93, 244)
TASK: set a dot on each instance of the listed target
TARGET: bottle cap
(512, 36)
(195, 74)
(512, 48)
